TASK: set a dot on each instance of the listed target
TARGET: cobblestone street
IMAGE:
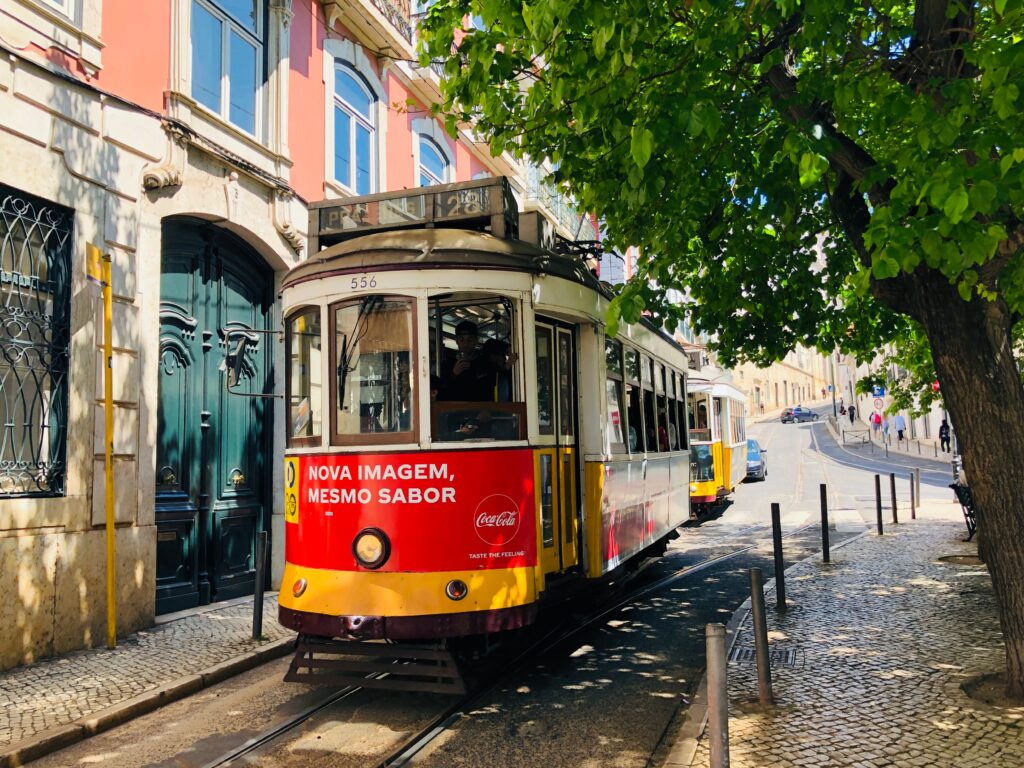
(58, 691)
(884, 637)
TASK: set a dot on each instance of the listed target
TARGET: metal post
(718, 696)
(913, 499)
(936, 447)
(917, 482)
(892, 493)
(887, 450)
(824, 524)
(918, 447)
(764, 669)
(257, 603)
(878, 502)
(780, 567)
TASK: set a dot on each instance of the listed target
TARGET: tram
(464, 439)
(718, 442)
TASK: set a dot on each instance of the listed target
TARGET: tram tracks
(435, 726)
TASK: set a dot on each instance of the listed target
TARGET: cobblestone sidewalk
(882, 640)
(55, 692)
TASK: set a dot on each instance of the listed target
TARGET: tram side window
(476, 382)
(739, 433)
(304, 385)
(665, 429)
(670, 409)
(375, 362)
(634, 406)
(652, 429)
(615, 417)
(680, 407)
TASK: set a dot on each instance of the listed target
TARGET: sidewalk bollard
(918, 447)
(824, 524)
(887, 451)
(892, 492)
(718, 696)
(764, 668)
(780, 567)
(936, 447)
(257, 602)
(878, 502)
(913, 499)
(917, 482)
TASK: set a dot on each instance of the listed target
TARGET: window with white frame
(227, 59)
(434, 166)
(355, 112)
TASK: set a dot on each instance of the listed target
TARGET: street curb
(62, 736)
(695, 717)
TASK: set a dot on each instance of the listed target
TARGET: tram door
(557, 467)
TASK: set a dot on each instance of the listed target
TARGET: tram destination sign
(484, 205)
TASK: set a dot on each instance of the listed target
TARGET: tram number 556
(364, 281)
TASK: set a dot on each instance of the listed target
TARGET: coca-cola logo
(497, 520)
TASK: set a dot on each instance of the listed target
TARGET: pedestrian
(900, 425)
(885, 429)
(944, 436)
(876, 422)
(852, 410)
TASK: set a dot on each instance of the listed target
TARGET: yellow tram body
(718, 441)
(415, 512)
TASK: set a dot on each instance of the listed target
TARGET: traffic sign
(878, 391)
(829, 387)
(878, 403)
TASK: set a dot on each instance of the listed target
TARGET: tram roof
(434, 248)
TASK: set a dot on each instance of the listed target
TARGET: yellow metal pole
(108, 444)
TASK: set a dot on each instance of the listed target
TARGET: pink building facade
(184, 138)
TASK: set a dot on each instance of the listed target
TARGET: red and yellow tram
(463, 436)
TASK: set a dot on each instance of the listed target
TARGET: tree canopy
(786, 162)
(820, 172)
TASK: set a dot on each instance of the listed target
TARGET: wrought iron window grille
(35, 330)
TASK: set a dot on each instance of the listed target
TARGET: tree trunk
(981, 386)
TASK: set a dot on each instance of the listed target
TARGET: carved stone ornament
(283, 223)
(283, 8)
(169, 172)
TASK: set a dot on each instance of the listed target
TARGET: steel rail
(440, 724)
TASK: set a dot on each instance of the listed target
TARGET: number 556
(364, 282)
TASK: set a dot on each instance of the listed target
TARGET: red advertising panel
(441, 511)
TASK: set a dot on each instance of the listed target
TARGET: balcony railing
(540, 188)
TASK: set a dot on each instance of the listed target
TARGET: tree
(812, 172)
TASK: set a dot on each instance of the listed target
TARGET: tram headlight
(456, 589)
(299, 588)
(693, 488)
(371, 548)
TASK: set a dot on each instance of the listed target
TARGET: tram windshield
(476, 386)
(700, 422)
(373, 359)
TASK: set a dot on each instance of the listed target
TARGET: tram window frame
(314, 371)
(682, 421)
(614, 383)
(403, 437)
(467, 306)
(739, 432)
(631, 359)
(650, 403)
(661, 408)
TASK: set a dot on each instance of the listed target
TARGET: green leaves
(641, 143)
(811, 168)
(955, 204)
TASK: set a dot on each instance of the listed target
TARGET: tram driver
(467, 375)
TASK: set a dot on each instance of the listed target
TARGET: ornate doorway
(212, 483)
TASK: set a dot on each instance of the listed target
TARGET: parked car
(798, 413)
(757, 464)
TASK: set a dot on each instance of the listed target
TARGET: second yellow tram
(718, 442)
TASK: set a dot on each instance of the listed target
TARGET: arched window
(354, 131)
(433, 163)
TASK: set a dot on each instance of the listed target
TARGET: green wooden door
(212, 487)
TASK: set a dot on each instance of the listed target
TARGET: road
(608, 699)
